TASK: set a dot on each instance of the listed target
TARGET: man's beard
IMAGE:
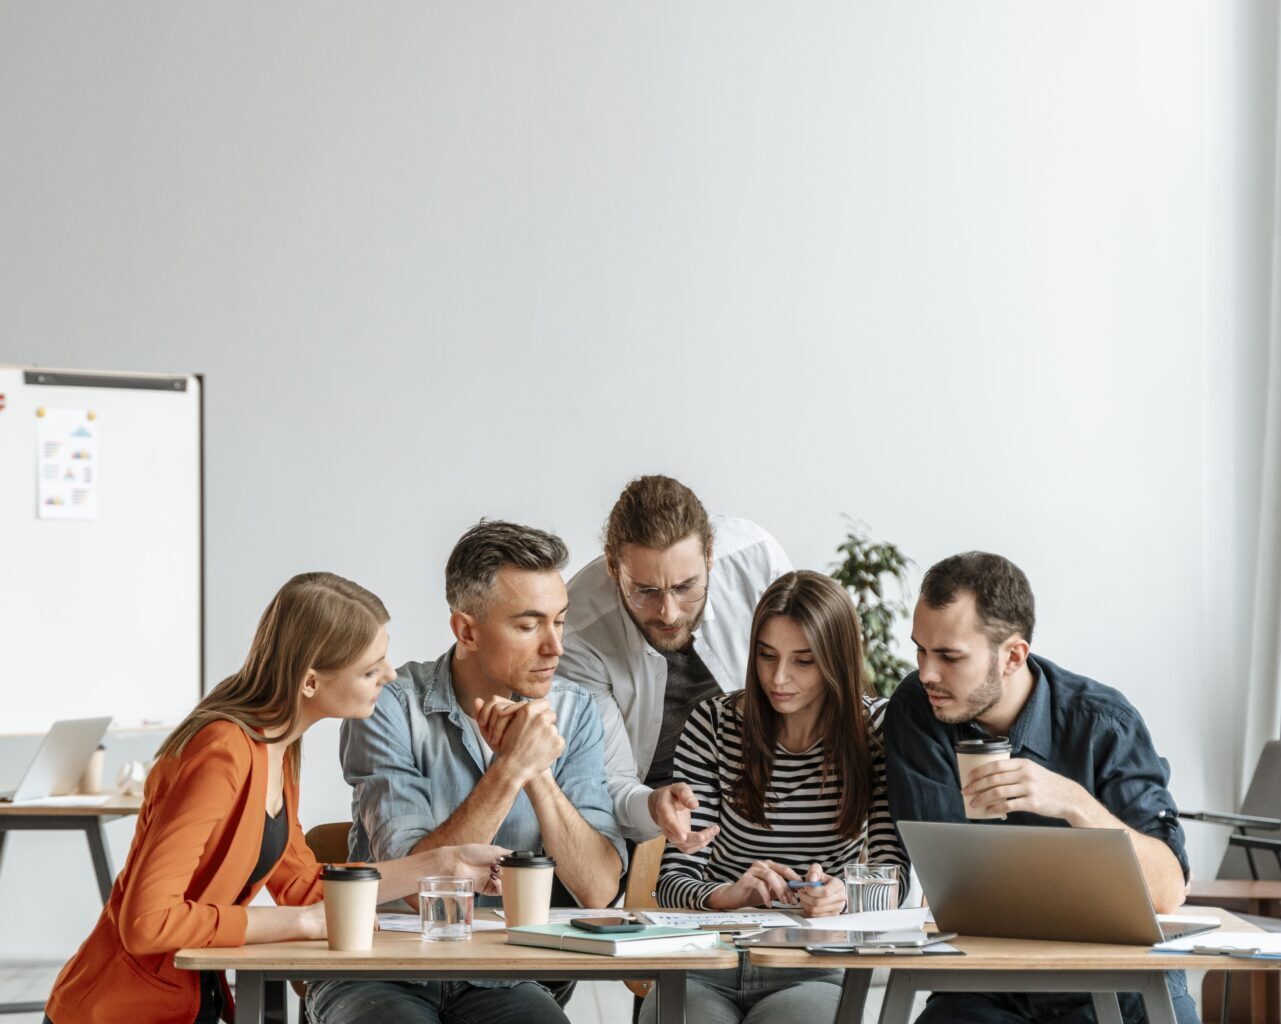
(672, 642)
(981, 700)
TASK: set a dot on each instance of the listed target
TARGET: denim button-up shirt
(414, 760)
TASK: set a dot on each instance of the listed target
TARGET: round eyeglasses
(649, 599)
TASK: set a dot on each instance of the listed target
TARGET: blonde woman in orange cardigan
(219, 818)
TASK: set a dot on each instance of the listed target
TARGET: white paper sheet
(73, 800)
(411, 923)
(563, 915)
(736, 919)
(1264, 942)
(66, 464)
(908, 919)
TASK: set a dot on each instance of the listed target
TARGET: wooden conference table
(990, 965)
(403, 956)
(62, 817)
(1021, 965)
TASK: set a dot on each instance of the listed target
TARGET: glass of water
(871, 887)
(445, 908)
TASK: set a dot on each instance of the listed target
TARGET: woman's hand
(311, 922)
(284, 924)
(761, 884)
(477, 861)
(824, 902)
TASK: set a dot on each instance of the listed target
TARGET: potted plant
(865, 570)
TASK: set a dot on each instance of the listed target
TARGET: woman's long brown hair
(829, 619)
(316, 621)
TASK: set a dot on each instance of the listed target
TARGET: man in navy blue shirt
(1081, 756)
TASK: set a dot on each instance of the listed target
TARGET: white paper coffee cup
(970, 754)
(351, 905)
(527, 888)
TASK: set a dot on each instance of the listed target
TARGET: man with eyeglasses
(656, 625)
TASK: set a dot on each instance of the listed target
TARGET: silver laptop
(60, 759)
(1030, 882)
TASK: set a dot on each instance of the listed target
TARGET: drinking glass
(871, 887)
(445, 908)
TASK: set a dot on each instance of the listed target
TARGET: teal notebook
(653, 941)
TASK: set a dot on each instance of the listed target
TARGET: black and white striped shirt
(801, 811)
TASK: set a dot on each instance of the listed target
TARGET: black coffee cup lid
(526, 859)
(340, 873)
(994, 745)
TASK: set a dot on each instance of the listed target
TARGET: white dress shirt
(606, 653)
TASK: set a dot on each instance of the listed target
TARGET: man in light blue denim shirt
(482, 742)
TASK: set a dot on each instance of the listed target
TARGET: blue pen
(816, 884)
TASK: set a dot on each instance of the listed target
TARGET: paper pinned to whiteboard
(66, 464)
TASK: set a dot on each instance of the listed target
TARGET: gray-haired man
(482, 742)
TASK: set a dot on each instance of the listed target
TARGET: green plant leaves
(862, 571)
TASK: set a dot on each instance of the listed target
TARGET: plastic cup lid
(339, 873)
(526, 859)
(995, 745)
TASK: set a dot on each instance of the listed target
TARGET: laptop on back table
(60, 759)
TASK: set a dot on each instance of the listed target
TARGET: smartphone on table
(607, 925)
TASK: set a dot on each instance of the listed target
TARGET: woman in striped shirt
(792, 770)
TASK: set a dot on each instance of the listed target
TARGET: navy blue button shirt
(1072, 726)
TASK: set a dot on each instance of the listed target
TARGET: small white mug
(131, 778)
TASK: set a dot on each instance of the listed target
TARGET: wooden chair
(642, 891)
(1249, 884)
(328, 842)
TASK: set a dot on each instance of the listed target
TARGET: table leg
(853, 996)
(1157, 1005)
(275, 1006)
(1106, 1008)
(900, 994)
(249, 997)
(101, 856)
(670, 996)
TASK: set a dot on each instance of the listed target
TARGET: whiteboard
(102, 616)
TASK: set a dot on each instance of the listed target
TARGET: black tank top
(275, 836)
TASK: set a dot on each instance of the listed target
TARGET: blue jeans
(432, 1002)
(1046, 1007)
(756, 995)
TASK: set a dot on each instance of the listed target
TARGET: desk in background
(1019, 965)
(85, 818)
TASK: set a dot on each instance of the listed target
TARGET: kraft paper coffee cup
(972, 753)
(527, 887)
(351, 903)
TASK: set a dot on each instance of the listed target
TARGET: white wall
(956, 269)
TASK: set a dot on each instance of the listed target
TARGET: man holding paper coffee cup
(985, 730)
(484, 742)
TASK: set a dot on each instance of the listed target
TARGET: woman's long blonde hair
(316, 621)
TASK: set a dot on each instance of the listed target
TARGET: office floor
(597, 1002)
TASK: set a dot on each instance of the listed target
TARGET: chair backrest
(642, 874)
(642, 891)
(328, 842)
(1263, 798)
